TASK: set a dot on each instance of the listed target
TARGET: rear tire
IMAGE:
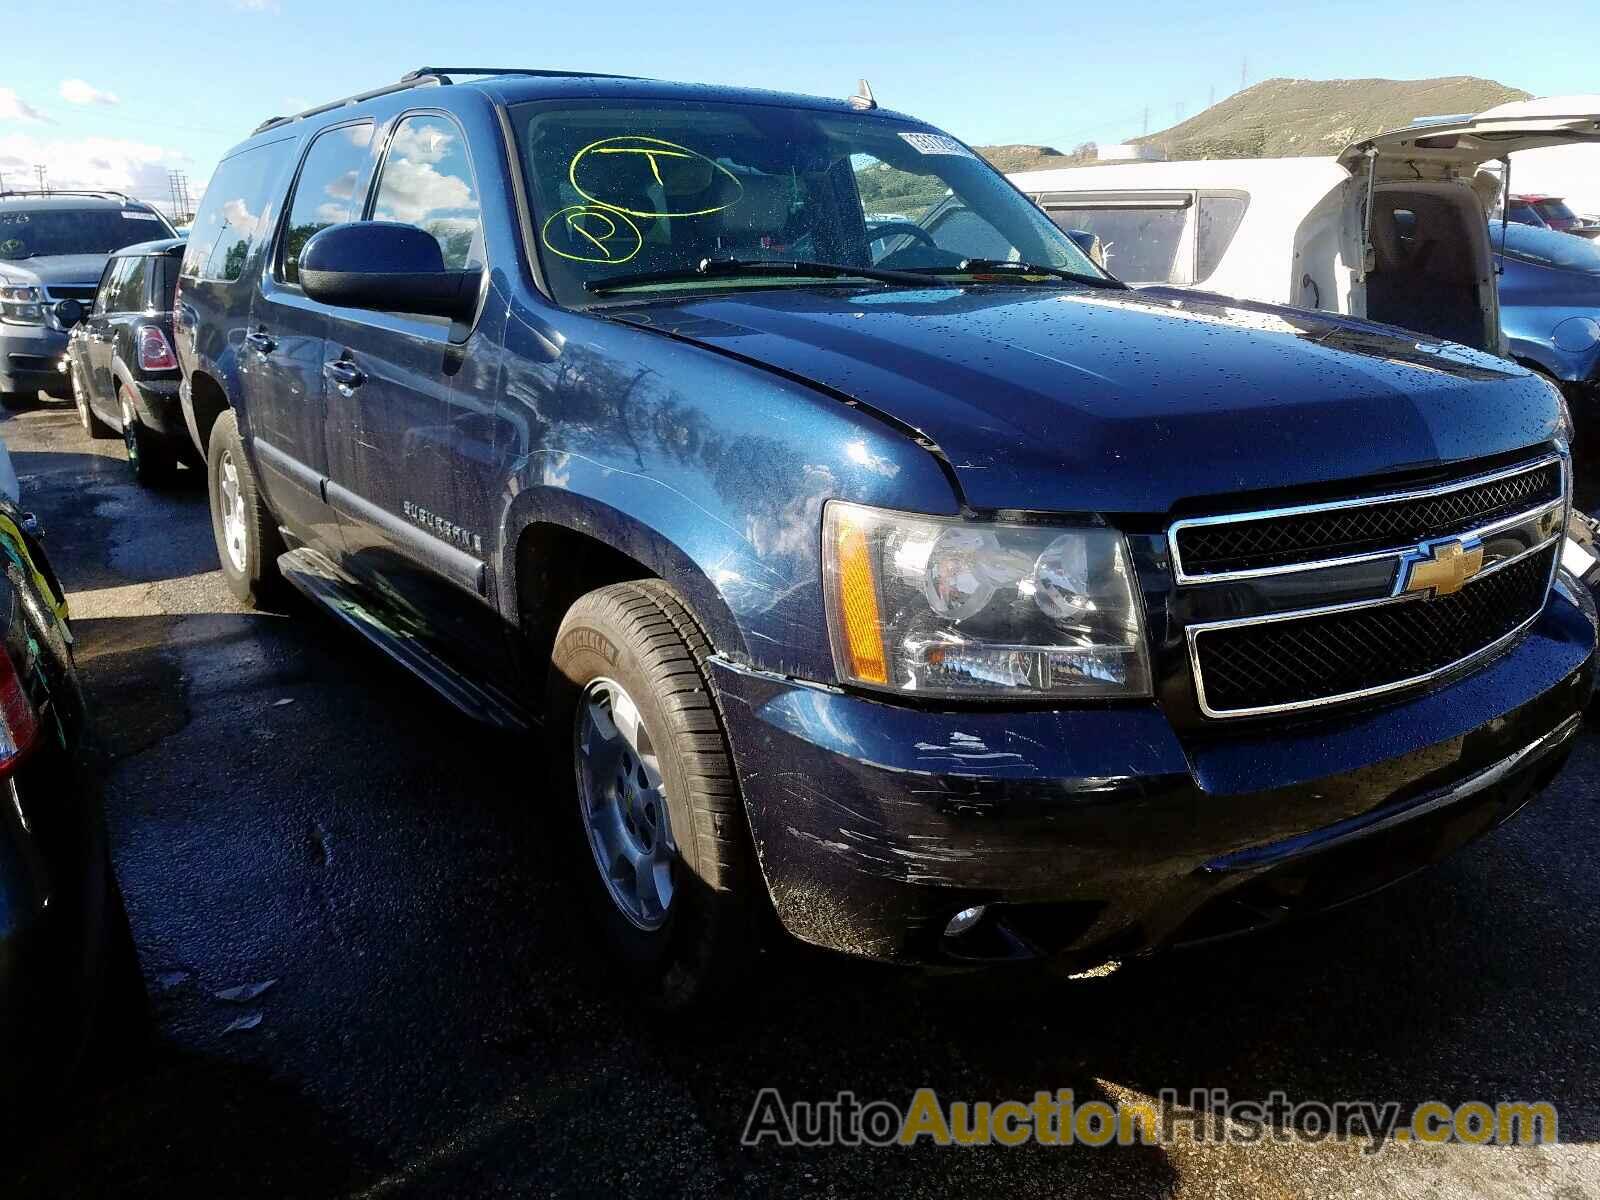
(248, 543)
(92, 424)
(633, 652)
(149, 457)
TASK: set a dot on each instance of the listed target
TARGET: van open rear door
(1425, 260)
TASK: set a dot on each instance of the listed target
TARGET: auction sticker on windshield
(936, 143)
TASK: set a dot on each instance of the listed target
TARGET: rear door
(401, 434)
(284, 346)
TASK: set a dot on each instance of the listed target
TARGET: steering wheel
(893, 228)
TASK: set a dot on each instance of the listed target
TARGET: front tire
(658, 839)
(247, 537)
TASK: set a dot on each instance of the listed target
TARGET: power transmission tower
(1146, 127)
(1244, 72)
(41, 174)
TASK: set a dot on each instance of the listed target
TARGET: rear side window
(1142, 245)
(427, 181)
(165, 271)
(233, 211)
(130, 286)
(325, 193)
(1218, 220)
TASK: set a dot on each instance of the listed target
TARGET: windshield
(1547, 247)
(636, 187)
(39, 233)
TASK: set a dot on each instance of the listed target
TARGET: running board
(315, 576)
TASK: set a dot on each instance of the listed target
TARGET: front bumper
(28, 357)
(1098, 833)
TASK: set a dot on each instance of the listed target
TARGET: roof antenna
(863, 99)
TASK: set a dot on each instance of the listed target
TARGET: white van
(1393, 229)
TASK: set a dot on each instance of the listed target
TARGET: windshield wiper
(714, 268)
(1004, 266)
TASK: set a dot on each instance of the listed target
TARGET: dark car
(69, 977)
(123, 370)
(956, 603)
(1552, 212)
(1550, 313)
(53, 247)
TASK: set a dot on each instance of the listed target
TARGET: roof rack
(104, 193)
(443, 73)
(413, 80)
(429, 77)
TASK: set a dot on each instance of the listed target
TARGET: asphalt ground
(369, 980)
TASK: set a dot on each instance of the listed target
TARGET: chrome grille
(1251, 544)
(1368, 636)
(1316, 658)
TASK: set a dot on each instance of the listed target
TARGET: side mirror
(388, 267)
(68, 313)
(1091, 245)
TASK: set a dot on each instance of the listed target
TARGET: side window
(1218, 221)
(325, 193)
(232, 212)
(427, 181)
(130, 284)
(1143, 245)
(107, 290)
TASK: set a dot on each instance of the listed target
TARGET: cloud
(77, 91)
(14, 108)
(260, 6)
(118, 164)
(413, 193)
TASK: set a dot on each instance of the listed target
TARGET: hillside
(1289, 117)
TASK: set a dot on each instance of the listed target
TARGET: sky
(118, 95)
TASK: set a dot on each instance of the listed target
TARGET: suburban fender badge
(1439, 568)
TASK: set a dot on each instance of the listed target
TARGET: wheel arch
(559, 545)
(206, 400)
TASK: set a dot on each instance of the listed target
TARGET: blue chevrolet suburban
(857, 551)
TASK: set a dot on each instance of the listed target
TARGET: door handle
(344, 373)
(260, 343)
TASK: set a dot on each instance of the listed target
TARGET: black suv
(121, 363)
(53, 247)
(866, 553)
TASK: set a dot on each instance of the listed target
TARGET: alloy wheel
(235, 533)
(624, 807)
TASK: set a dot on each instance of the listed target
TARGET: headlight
(22, 305)
(939, 606)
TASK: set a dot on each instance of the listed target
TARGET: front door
(283, 352)
(400, 474)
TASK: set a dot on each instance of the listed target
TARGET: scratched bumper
(1097, 834)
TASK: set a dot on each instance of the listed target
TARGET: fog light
(964, 920)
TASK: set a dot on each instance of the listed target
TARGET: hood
(1075, 399)
(1459, 145)
(80, 269)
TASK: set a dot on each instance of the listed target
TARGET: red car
(1552, 210)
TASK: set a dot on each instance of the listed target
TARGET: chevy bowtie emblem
(1440, 568)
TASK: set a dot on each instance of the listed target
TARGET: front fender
(710, 472)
